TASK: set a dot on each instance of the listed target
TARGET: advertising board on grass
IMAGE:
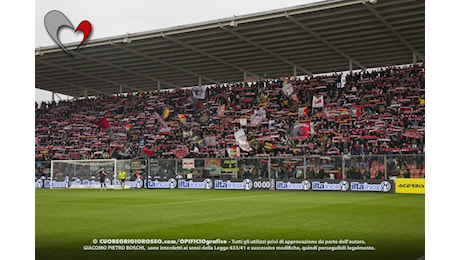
(410, 185)
(416, 186)
(336, 185)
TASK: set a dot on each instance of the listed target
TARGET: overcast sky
(118, 17)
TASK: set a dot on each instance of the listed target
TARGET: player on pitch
(102, 176)
(122, 177)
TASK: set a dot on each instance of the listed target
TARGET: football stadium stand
(373, 113)
(292, 82)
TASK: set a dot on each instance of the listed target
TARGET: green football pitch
(213, 224)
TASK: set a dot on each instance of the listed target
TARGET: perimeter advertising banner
(336, 185)
(387, 186)
(410, 185)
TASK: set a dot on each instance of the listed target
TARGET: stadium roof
(308, 39)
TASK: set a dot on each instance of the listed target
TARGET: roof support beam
(187, 71)
(260, 47)
(77, 72)
(324, 41)
(207, 55)
(124, 69)
(392, 30)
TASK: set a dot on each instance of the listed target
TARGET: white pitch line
(206, 200)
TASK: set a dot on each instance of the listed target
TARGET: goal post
(81, 173)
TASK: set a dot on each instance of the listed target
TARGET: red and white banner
(303, 111)
(301, 130)
(242, 140)
(318, 102)
(188, 164)
(233, 151)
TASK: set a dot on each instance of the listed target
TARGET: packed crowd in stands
(366, 113)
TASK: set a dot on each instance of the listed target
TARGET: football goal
(81, 173)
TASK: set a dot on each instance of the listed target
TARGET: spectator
(390, 114)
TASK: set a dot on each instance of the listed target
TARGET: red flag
(305, 130)
(181, 152)
(102, 123)
(147, 151)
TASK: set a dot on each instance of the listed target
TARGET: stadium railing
(290, 168)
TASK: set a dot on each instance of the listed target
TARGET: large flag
(258, 116)
(233, 151)
(318, 102)
(303, 111)
(288, 90)
(104, 125)
(181, 152)
(147, 151)
(199, 92)
(228, 101)
(301, 130)
(166, 113)
(242, 140)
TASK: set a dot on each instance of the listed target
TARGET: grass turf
(67, 220)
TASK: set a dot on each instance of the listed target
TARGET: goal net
(81, 173)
